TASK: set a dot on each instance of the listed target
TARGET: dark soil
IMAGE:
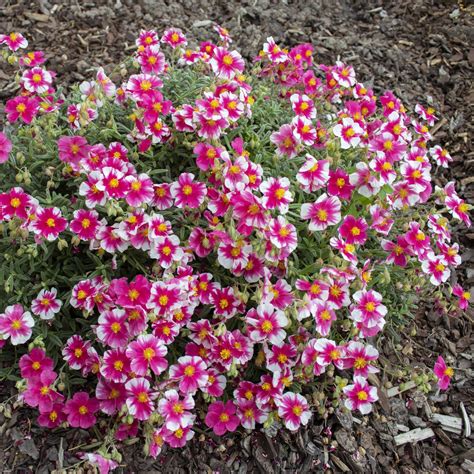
(423, 51)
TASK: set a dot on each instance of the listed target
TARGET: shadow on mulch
(419, 49)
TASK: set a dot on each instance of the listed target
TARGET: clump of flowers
(196, 242)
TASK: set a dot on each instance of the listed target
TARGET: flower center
(360, 363)
(187, 190)
(267, 326)
(227, 60)
(370, 307)
(178, 408)
(118, 365)
(325, 315)
(189, 370)
(322, 215)
(142, 397)
(83, 410)
(35, 365)
(20, 108)
(15, 203)
(224, 417)
(148, 353)
(166, 250)
(50, 222)
(16, 324)
(362, 395)
(297, 410)
(115, 327)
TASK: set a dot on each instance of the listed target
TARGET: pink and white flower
(324, 212)
(226, 64)
(176, 410)
(360, 395)
(313, 175)
(443, 373)
(16, 324)
(46, 305)
(147, 352)
(191, 372)
(293, 409)
(139, 398)
(266, 323)
(187, 192)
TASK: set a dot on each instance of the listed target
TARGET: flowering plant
(195, 246)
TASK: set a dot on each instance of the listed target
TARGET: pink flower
(167, 250)
(46, 305)
(276, 194)
(73, 149)
(104, 465)
(52, 418)
(49, 223)
(344, 75)
(76, 352)
(5, 148)
(14, 41)
(339, 184)
(141, 85)
(464, 296)
(40, 393)
(360, 356)
(178, 438)
(85, 224)
(266, 324)
(36, 80)
(324, 316)
(191, 372)
(226, 64)
(441, 156)
(111, 396)
(112, 329)
(368, 309)
(249, 414)
(22, 107)
(350, 133)
(176, 410)
(303, 105)
(324, 212)
(313, 175)
(360, 395)
(188, 193)
(80, 410)
(221, 417)
(115, 366)
(140, 190)
(147, 352)
(139, 400)
(443, 373)
(285, 141)
(33, 364)
(354, 230)
(174, 37)
(293, 409)
(330, 353)
(152, 60)
(436, 267)
(129, 295)
(16, 324)
(366, 183)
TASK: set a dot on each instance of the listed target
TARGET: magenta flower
(285, 141)
(174, 37)
(85, 224)
(52, 418)
(76, 352)
(16, 324)
(36, 80)
(436, 267)
(464, 296)
(176, 410)
(187, 192)
(368, 308)
(34, 363)
(46, 305)
(354, 230)
(276, 194)
(80, 410)
(14, 41)
(191, 371)
(147, 352)
(360, 356)
(73, 149)
(105, 465)
(22, 107)
(324, 212)
(112, 329)
(266, 323)
(443, 373)
(226, 64)
(313, 175)
(293, 409)
(139, 398)
(115, 366)
(111, 395)
(5, 147)
(221, 417)
(40, 392)
(360, 395)
(178, 438)
(49, 223)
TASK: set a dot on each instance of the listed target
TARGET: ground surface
(418, 48)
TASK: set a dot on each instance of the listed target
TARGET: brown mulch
(422, 50)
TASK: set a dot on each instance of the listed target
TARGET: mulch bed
(420, 50)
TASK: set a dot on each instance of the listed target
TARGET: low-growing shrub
(185, 244)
